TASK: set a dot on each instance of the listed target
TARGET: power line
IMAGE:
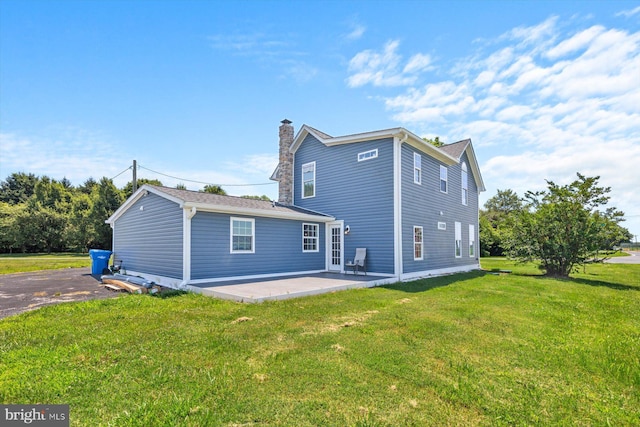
(202, 182)
(121, 173)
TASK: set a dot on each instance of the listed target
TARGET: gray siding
(421, 206)
(148, 237)
(278, 248)
(360, 193)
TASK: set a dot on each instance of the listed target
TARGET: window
(472, 241)
(417, 243)
(442, 225)
(309, 237)
(309, 180)
(465, 184)
(242, 235)
(417, 168)
(458, 240)
(443, 179)
(371, 154)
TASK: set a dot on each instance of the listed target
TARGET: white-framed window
(465, 184)
(458, 240)
(309, 180)
(243, 237)
(417, 168)
(417, 243)
(443, 179)
(309, 237)
(442, 225)
(472, 241)
(371, 154)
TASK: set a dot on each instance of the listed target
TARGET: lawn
(16, 263)
(467, 349)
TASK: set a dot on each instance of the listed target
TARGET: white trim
(316, 238)
(262, 213)
(368, 155)
(439, 272)
(397, 204)
(187, 214)
(302, 178)
(253, 235)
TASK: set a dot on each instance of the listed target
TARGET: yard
(15, 263)
(467, 349)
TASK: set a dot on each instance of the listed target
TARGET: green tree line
(41, 214)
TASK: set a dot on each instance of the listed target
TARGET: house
(412, 205)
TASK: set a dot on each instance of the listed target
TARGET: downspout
(397, 212)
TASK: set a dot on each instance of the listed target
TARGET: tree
(496, 221)
(214, 189)
(263, 197)
(106, 199)
(17, 188)
(435, 141)
(128, 189)
(563, 226)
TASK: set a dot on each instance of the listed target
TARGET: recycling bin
(99, 260)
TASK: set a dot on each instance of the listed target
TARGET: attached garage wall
(148, 237)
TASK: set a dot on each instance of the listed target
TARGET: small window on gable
(243, 237)
(442, 225)
(417, 243)
(417, 168)
(465, 185)
(309, 237)
(443, 179)
(309, 180)
(371, 154)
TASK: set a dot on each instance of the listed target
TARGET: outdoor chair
(359, 261)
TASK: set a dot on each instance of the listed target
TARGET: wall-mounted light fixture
(347, 230)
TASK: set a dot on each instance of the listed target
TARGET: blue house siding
(359, 193)
(148, 237)
(278, 248)
(423, 204)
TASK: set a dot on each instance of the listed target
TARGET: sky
(195, 90)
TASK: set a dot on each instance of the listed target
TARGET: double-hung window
(243, 238)
(309, 180)
(443, 179)
(417, 168)
(417, 243)
(458, 240)
(309, 237)
(465, 185)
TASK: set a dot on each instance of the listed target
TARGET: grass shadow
(170, 293)
(429, 283)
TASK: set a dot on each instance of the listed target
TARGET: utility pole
(135, 176)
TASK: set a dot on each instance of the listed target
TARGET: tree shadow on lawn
(429, 283)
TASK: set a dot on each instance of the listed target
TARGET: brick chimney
(285, 173)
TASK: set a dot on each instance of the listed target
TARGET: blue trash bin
(99, 260)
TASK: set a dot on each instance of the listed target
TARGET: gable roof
(207, 202)
(457, 149)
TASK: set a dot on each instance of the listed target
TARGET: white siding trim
(187, 214)
(397, 205)
(439, 272)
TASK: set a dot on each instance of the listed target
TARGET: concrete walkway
(278, 288)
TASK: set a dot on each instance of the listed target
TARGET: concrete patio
(279, 288)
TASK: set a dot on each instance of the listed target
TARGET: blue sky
(196, 89)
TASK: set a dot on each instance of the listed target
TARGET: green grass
(467, 349)
(18, 263)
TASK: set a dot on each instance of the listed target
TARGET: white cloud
(539, 103)
(357, 32)
(385, 68)
(629, 13)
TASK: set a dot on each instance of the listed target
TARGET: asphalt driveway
(21, 292)
(633, 259)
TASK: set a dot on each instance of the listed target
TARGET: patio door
(334, 247)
